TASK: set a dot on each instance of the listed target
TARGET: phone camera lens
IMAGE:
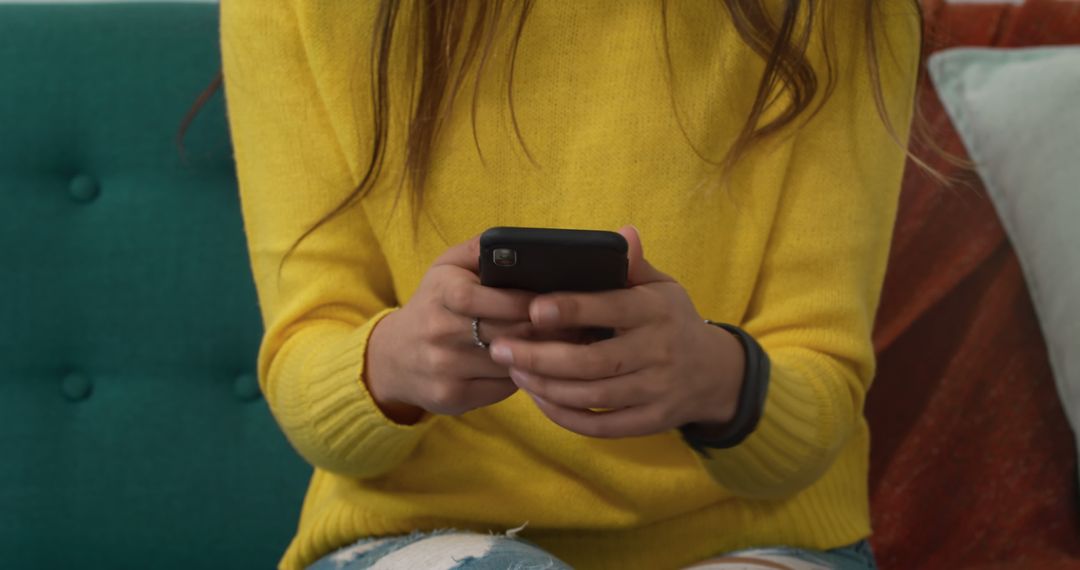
(504, 257)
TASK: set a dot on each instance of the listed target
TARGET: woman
(756, 148)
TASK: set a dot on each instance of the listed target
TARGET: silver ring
(476, 333)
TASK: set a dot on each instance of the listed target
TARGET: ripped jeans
(456, 550)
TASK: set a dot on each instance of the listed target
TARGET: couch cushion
(132, 428)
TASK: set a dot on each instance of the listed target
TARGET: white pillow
(1018, 113)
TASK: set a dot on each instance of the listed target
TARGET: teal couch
(132, 432)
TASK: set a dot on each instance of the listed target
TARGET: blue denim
(858, 556)
(512, 553)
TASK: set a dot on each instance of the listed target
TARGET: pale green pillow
(1018, 113)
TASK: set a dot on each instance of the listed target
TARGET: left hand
(664, 368)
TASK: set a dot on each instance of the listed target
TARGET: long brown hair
(448, 37)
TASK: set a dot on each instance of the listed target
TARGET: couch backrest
(132, 432)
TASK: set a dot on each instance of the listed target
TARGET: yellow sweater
(795, 254)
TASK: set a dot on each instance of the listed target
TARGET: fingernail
(515, 375)
(502, 354)
(546, 313)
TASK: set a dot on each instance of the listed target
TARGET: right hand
(423, 357)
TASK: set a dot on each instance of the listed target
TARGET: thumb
(640, 270)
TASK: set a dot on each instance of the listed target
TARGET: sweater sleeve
(813, 307)
(333, 289)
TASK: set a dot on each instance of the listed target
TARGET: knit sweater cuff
(797, 438)
(329, 414)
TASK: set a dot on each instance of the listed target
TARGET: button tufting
(246, 388)
(83, 188)
(76, 387)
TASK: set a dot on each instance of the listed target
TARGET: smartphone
(544, 260)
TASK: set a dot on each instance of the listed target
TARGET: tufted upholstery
(132, 433)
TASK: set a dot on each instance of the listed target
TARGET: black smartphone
(544, 260)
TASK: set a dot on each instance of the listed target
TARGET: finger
(452, 354)
(573, 336)
(473, 362)
(490, 329)
(457, 397)
(603, 359)
(640, 271)
(488, 391)
(467, 297)
(465, 255)
(617, 392)
(627, 422)
(620, 309)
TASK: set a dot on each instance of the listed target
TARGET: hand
(664, 368)
(423, 357)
